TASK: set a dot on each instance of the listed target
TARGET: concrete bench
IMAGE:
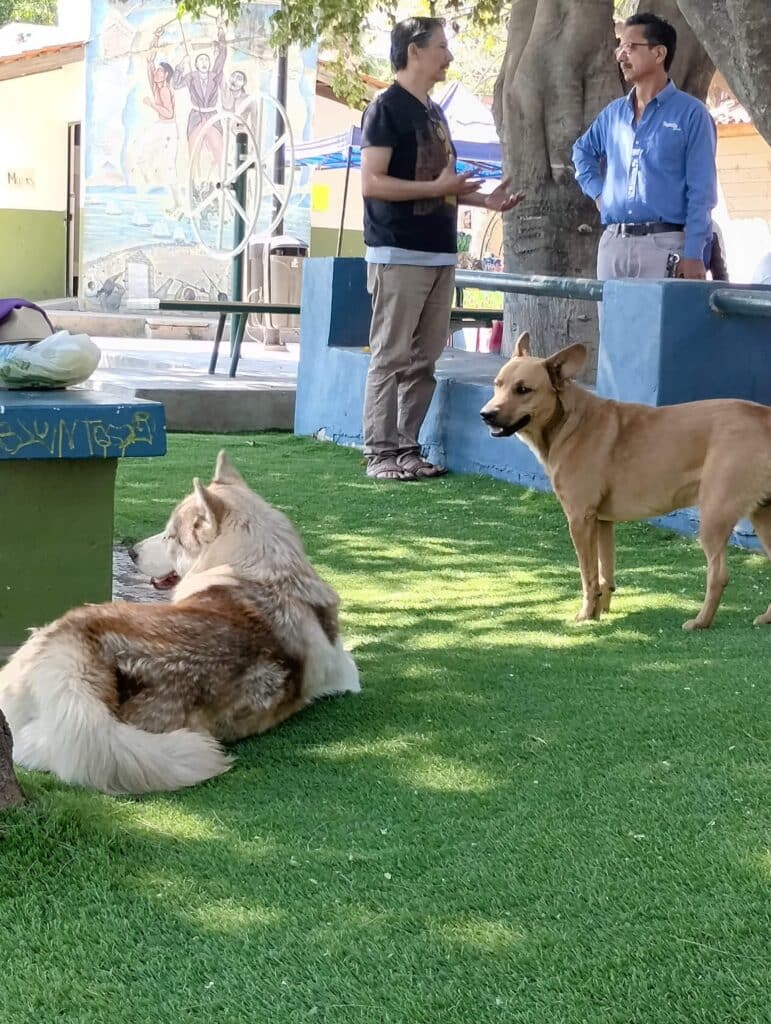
(59, 452)
(182, 329)
(239, 311)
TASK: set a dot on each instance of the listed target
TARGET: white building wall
(34, 112)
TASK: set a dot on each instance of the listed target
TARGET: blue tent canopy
(330, 153)
(471, 127)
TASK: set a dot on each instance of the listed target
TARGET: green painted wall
(56, 542)
(324, 242)
(32, 254)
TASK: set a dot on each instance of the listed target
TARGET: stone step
(134, 325)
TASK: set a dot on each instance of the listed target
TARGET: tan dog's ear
(209, 508)
(225, 472)
(565, 364)
(522, 345)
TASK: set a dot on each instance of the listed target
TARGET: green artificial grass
(520, 819)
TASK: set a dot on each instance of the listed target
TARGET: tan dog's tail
(60, 725)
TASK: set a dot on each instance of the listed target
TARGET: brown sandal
(420, 468)
(387, 468)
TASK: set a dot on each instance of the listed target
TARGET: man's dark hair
(411, 30)
(658, 32)
(168, 70)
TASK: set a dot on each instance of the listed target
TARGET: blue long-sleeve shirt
(661, 168)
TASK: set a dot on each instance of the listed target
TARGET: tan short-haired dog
(610, 461)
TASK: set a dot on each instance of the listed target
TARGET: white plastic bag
(59, 361)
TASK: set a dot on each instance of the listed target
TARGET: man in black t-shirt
(411, 195)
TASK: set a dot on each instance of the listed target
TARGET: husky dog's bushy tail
(60, 725)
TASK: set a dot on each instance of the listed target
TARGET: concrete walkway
(260, 397)
(129, 585)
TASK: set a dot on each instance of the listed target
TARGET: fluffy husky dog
(132, 698)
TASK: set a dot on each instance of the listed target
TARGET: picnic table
(460, 317)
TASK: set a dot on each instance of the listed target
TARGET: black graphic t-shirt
(420, 140)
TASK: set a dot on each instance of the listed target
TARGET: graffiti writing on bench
(81, 438)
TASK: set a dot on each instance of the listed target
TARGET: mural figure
(158, 88)
(110, 294)
(203, 85)
(159, 160)
(236, 99)
(234, 94)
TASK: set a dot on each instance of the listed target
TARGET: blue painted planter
(59, 452)
(660, 344)
(78, 425)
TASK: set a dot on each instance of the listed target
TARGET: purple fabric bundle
(7, 306)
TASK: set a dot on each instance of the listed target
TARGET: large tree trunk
(693, 68)
(558, 73)
(737, 36)
(10, 792)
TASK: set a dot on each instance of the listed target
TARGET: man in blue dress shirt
(648, 161)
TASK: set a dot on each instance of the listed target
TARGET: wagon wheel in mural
(215, 208)
(213, 192)
(270, 122)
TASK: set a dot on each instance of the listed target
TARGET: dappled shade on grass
(519, 819)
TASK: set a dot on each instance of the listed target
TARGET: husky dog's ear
(225, 472)
(210, 509)
(565, 364)
(522, 345)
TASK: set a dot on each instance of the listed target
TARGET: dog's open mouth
(165, 582)
(509, 430)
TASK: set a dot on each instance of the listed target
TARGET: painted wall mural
(168, 102)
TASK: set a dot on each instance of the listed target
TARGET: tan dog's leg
(583, 530)
(713, 537)
(761, 520)
(606, 543)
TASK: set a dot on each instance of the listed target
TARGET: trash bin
(274, 274)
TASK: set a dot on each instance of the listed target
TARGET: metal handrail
(732, 301)
(741, 302)
(227, 306)
(531, 284)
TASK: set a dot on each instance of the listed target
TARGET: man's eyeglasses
(621, 47)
